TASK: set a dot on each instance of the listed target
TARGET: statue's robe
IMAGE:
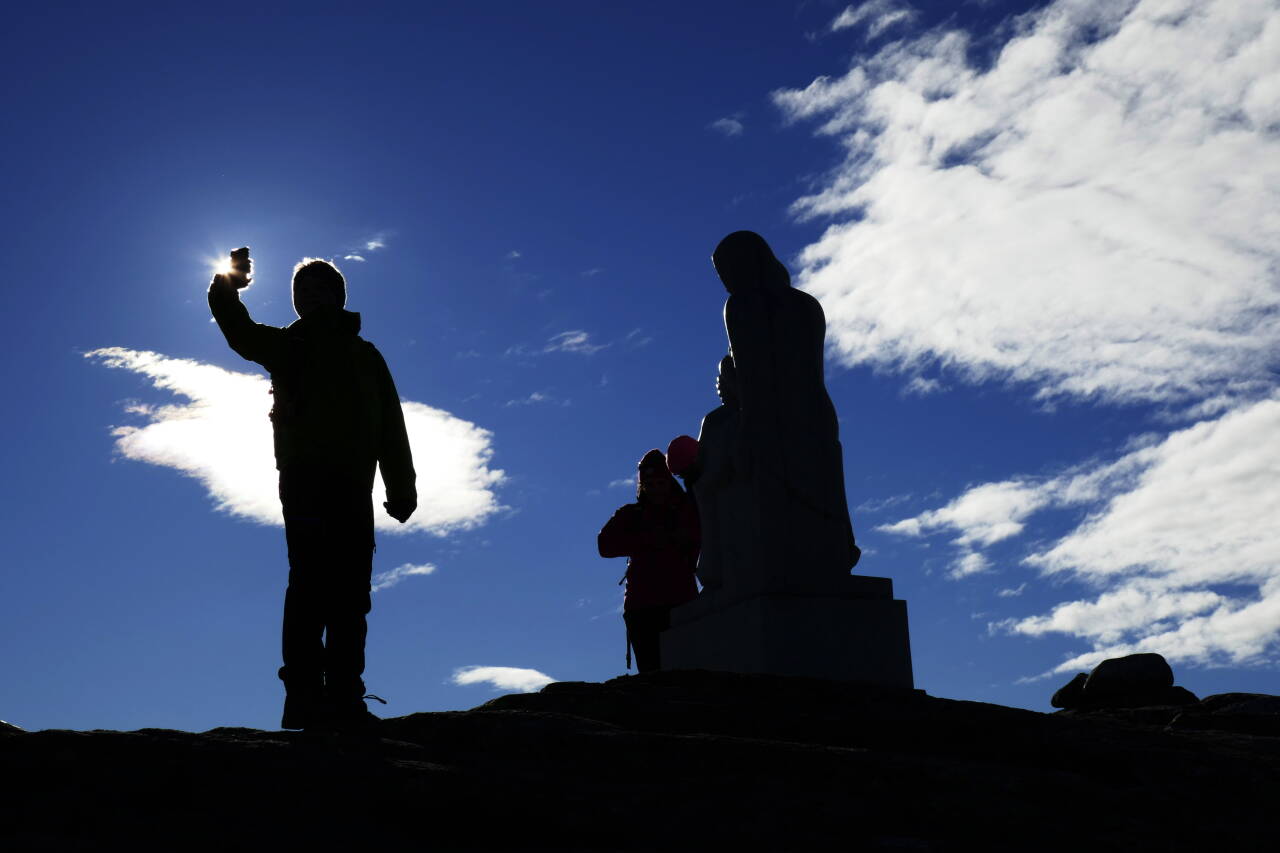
(788, 445)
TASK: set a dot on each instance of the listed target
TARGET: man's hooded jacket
(335, 403)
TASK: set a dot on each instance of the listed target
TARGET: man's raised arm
(250, 340)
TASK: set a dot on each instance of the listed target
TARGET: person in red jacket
(659, 536)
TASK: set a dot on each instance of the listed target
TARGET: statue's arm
(713, 468)
(251, 341)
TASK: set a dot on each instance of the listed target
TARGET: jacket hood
(656, 459)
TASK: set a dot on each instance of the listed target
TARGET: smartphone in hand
(241, 267)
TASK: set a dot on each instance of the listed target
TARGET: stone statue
(786, 455)
(768, 474)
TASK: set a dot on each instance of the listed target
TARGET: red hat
(682, 452)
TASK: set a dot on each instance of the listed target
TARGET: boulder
(1242, 703)
(1240, 713)
(1133, 681)
(1129, 674)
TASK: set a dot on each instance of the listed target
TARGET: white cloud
(728, 125)
(1179, 542)
(624, 483)
(220, 435)
(503, 677)
(881, 15)
(1095, 214)
(573, 341)
(376, 243)
(970, 563)
(353, 257)
(513, 254)
(385, 580)
(983, 515)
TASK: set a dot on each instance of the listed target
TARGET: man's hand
(400, 510)
(221, 282)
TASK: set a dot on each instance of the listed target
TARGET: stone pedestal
(858, 633)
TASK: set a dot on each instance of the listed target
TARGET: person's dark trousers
(328, 525)
(644, 624)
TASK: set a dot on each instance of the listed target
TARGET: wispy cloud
(218, 433)
(503, 678)
(372, 244)
(1098, 206)
(879, 15)
(573, 341)
(593, 272)
(514, 254)
(729, 125)
(982, 516)
(636, 338)
(922, 386)
(537, 398)
(875, 505)
(385, 580)
(624, 483)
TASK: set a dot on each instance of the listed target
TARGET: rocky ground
(670, 761)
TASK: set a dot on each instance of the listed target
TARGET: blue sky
(1044, 235)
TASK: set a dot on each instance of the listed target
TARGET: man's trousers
(328, 525)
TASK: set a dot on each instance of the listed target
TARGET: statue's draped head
(744, 262)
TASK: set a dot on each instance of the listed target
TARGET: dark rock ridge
(669, 761)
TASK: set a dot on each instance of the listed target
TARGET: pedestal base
(848, 637)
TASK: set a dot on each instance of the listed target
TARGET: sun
(221, 266)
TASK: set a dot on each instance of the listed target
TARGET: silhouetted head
(317, 283)
(744, 262)
(727, 382)
(654, 483)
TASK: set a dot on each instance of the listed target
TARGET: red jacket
(661, 543)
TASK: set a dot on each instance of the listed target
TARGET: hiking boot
(303, 702)
(353, 718)
(302, 710)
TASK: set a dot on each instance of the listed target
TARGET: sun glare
(221, 266)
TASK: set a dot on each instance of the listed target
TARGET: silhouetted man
(336, 417)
